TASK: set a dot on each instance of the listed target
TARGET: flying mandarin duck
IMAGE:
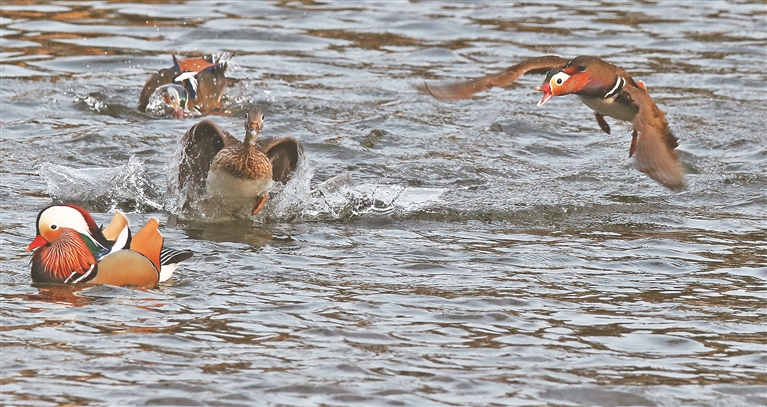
(605, 88)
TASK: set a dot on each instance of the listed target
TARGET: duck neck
(68, 257)
(250, 138)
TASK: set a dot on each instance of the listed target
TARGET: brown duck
(605, 88)
(237, 174)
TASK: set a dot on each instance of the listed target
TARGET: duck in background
(605, 88)
(234, 175)
(70, 248)
(192, 87)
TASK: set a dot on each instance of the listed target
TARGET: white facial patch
(64, 217)
(173, 95)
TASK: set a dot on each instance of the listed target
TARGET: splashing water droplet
(108, 187)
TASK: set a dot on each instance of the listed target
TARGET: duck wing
(139, 266)
(284, 153)
(466, 89)
(118, 232)
(655, 155)
(148, 241)
(199, 146)
(211, 84)
(195, 65)
(162, 77)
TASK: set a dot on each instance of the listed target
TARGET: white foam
(112, 186)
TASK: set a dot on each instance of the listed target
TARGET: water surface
(471, 253)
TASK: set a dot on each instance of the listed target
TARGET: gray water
(481, 252)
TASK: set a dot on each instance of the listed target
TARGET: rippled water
(470, 253)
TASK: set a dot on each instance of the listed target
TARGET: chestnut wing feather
(284, 154)
(655, 155)
(466, 89)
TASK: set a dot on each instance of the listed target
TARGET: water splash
(226, 57)
(175, 199)
(125, 186)
(91, 101)
(338, 198)
(238, 95)
(288, 200)
(157, 105)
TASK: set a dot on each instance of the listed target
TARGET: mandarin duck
(605, 88)
(192, 87)
(217, 166)
(70, 248)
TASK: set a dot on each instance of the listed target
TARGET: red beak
(546, 89)
(39, 241)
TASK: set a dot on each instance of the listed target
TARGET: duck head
(169, 100)
(553, 85)
(67, 245)
(254, 123)
(560, 82)
(53, 220)
(585, 76)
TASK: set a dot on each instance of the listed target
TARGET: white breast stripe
(617, 88)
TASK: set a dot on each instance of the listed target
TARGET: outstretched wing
(655, 155)
(466, 89)
(284, 154)
(199, 146)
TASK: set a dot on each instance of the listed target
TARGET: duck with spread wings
(234, 174)
(605, 88)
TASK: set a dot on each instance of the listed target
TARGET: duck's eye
(54, 227)
(172, 98)
(582, 68)
(263, 117)
(559, 79)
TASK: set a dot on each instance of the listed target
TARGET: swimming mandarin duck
(70, 248)
(605, 88)
(236, 174)
(192, 87)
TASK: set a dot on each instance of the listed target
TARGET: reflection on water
(426, 253)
